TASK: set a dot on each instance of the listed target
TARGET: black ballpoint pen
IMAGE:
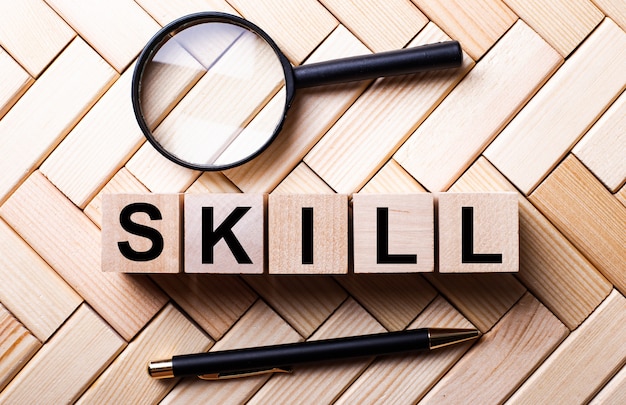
(280, 358)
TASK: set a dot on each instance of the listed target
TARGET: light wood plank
(371, 130)
(212, 182)
(121, 182)
(408, 377)
(562, 111)
(563, 23)
(614, 392)
(614, 9)
(65, 367)
(126, 379)
(477, 25)
(503, 358)
(15, 82)
(37, 296)
(61, 96)
(70, 244)
(381, 26)
(259, 326)
(550, 265)
(302, 180)
(116, 29)
(393, 299)
(588, 215)
(313, 111)
(482, 104)
(602, 148)
(322, 383)
(584, 362)
(482, 298)
(165, 12)
(214, 303)
(298, 27)
(33, 33)
(99, 145)
(392, 178)
(621, 195)
(304, 302)
(17, 346)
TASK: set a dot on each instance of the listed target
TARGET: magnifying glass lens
(212, 94)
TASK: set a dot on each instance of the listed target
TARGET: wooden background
(538, 107)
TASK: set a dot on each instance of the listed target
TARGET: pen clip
(229, 376)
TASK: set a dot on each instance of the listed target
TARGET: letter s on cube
(141, 233)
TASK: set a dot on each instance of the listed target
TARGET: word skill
(310, 233)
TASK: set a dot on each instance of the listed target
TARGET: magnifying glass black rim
(155, 44)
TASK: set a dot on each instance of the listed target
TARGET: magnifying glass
(210, 91)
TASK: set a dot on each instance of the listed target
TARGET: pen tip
(445, 337)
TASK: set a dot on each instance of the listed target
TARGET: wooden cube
(225, 233)
(141, 233)
(478, 232)
(308, 233)
(393, 233)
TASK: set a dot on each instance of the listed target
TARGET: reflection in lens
(213, 94)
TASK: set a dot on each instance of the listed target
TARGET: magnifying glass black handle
(442, 55)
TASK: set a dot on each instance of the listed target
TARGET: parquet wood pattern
(537, 108)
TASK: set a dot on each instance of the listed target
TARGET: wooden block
(584, 362)
(38, 297)
(323, 383)
(382, 27)
(158, 174)
(310, 116)
(613, 9)
(260, 326)
(482, 298)
(33, 34)
(61, 96)
(126, 380)
(212, 182)
(392, 178)
(304, 302)
(438, 152)
(17, 346)
(621, 195)
(99, 145)
(408, 377)
(478, 232)
(601, 149)
(588, 215)
(117, 29)
(614, 392)
(166, 12)
(224, 233)
(550, 265)
(78, 352)
(503, 358)
(121, 182)
(298, 27)
(477, 25)
(564, 24)
(565, 107)
(142, 233)
(393, 233)
(308, 233)
(214, 303)
(371, 130)
(393, 299)
(71, 244)
(303, 180)
(15, 82)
